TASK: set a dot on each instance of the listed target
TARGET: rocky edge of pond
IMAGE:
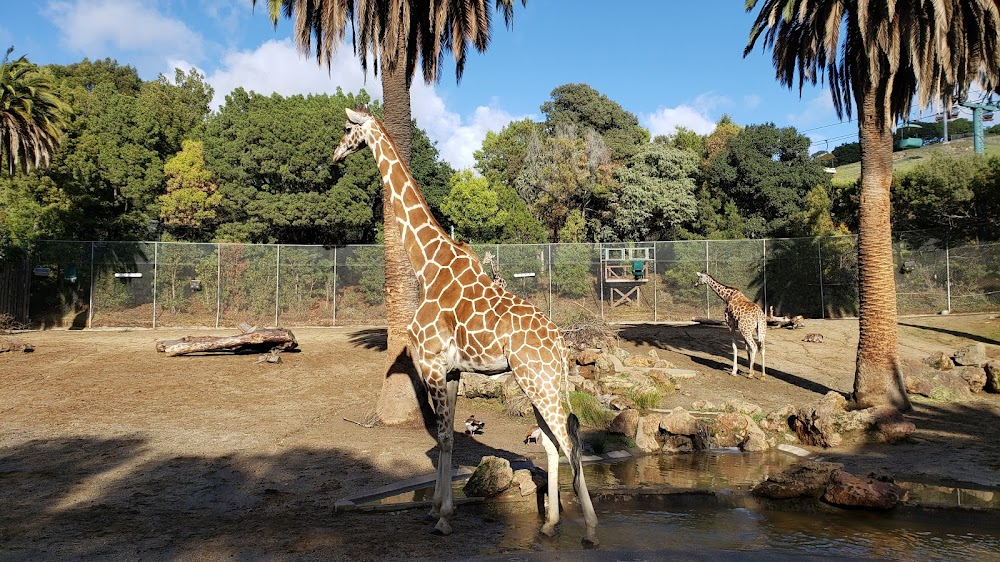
(615, 378)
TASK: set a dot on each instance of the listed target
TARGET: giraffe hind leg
(567, 435)
(751, 354)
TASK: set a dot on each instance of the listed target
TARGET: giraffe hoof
(590, 541)
(548, 530)
(442, 528)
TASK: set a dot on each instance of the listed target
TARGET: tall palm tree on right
(880, 56)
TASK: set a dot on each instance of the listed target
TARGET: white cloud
(695, 115)
(752, 101)
(106, 28)
(456, 140)
(276, 67)
(665, 120)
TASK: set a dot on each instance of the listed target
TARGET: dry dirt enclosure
(109, 449)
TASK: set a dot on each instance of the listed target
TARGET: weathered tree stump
(251, 340)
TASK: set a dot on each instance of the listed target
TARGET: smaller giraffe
(490, 259)
(743, 316)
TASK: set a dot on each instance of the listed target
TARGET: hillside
(906, 159)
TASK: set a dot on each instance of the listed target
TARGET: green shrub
(589, 410)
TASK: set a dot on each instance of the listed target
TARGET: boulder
(974, 354)
(940, 361)
(992, 369)
(741, 406)
(524, 482)
(604, 366)
(729, 429)
(778, 420)
(683, 433)
(816, 424)
(481, 386)
(889, 425)
(807, 479)
(587, 356)
(492, 477)
(975, 376)
(848, 490)
(625, 423)
(647, 434)
(755, 440)
(621, 403)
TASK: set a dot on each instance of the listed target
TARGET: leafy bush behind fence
(163, 284)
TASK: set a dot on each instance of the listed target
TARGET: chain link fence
(168, 284)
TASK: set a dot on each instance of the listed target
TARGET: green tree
(950, 194)
(502, 155)
(401, 37)
(657, 193)
(191, 200)
(766, 172)
(270, 156)
(474, 208)
(847, 153)
(585, 108)
(32, 116)
(889, 53)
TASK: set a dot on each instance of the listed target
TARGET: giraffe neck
(725, 292)
(423, 238)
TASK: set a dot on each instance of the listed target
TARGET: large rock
(974, 354)
(974, 376)
(492, 477)
(741, 406)
(481, 386)
(889, 425)
(524, 481)
(682, 432)
(816, 424)
(992, 376)
(755, 440)
(647, 434)
(848, 490)
(778, 420)
(625, 423)
(808, 479)
(587, 356)
(940, 361)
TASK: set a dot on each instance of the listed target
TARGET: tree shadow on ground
(709, 346)
(954, 445)
(371, 338)
(956, 333)
(90, 498)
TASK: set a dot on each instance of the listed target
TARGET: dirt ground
(110, 450)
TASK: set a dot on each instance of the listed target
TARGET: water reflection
(711, 470)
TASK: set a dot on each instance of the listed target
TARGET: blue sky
(669, 63)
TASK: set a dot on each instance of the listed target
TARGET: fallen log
(709, 321)
(14, 344)
(256, 340)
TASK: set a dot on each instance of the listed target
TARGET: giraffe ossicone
(467, 322)
(743, 316)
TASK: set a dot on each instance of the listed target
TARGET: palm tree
(890, 52)
(398, 36)
(32, 117)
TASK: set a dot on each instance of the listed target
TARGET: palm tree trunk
(877, 380)
(399, 401)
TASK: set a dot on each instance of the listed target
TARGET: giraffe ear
(355, 117)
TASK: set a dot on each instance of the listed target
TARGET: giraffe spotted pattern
(467, 322)
(743, 316)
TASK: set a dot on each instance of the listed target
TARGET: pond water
(698, 506)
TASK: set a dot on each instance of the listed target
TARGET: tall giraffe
(464, 322)
(743, 316)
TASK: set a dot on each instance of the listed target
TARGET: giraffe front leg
(762, 360)
(445, 398)
(752, 355)
(735, 363)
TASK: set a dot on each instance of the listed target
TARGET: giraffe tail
(573, 429)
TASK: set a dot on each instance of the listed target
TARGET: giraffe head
(356, 131)
(702, 279)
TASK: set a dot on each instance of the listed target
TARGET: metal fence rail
(170, 284)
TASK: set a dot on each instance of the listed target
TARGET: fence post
(764, 272)
(819, 254)
(600, 275)
(218, 284)
(277, 282)
(156, 249)
(90, 308)
(708, 290)
(549, 248)
(655, 280)
(947, 271)
(334, 285)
